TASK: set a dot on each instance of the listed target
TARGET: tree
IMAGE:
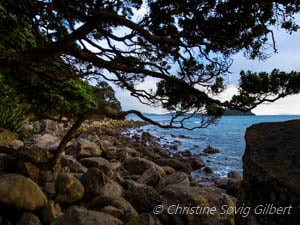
(187, 46)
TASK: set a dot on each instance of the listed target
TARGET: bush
(12, 117)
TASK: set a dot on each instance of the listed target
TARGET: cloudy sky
(287, 59)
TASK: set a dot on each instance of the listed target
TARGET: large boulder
(83, 216)
(271, 174)
(21, 192)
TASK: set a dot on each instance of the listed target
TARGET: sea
(228, 135)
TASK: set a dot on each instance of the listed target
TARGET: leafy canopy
(187, 46)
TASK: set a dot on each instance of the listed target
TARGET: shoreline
(100, 165)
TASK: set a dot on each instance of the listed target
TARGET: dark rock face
(272, 173)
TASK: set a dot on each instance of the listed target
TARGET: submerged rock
(211, 150)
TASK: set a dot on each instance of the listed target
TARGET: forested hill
(229, 112)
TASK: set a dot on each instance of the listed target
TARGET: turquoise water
(227, 135)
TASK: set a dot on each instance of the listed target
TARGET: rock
(69, 189)
(112, 188)
(175, 198)
(113, 211)
(44, 141)
(100, 202)
(271, 172)
(34, 155)
(211, 150)
(29, 219)
(50, 212)
(186, 153)
(73, 164)
(138, 166)
(83, 148)
(152, 176)
(208, 170)
(177, 179)
(234, 175)
(233, 187)
(29, 170)
(97, 162)
(82, 216)
(143, 198)
(168, 170)
(196, 162)
(221, 183)
(144, 219)
(49, 126)
(111, 153)
(175, 164)
(93, 181)
(21, 192)
(9, 141)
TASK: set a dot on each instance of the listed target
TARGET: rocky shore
(105, 178)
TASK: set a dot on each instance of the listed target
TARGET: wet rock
(211, 150)
(186, 153)
(73, 164)
(29, 219)
(208, 170)
(21, 192)
(196, 162)
(177, 179)
(175, 164)
(69, 189)
(235, 175)
(143, 198)
(51, 211)
(271, 172)
(83, 216)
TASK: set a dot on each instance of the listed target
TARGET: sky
(287, 59)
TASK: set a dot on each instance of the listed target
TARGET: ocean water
(227, 135)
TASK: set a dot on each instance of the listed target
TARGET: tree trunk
(68, 137)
